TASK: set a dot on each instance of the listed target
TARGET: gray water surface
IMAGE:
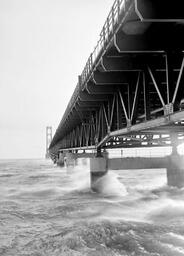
(49, 210)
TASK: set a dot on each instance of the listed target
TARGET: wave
(166, 210)
(52, 211)
(110, 186)
(102, 238)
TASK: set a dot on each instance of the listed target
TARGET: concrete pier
(70, 159)
(100, 163)
(129, 163)
(61, 159)
(98, 168)
(175, 171)
(175, 165)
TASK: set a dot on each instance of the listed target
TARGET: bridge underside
(132, 93)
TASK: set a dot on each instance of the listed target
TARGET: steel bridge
(131, 91)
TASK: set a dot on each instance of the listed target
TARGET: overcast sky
(44, 45)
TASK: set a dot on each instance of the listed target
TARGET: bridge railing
(118, 10)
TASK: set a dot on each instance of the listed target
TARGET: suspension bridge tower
(48, 140)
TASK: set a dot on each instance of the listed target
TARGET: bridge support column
(175, 166)
(70, 159)
(175, 171)
(98, 168)
(60, 160)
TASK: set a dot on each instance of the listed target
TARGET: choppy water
(48, 210)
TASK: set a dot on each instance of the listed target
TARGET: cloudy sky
(44, 45)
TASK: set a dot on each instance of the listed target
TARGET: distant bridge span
(131, 91)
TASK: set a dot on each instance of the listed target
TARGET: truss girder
(133, 91)
(142, 99)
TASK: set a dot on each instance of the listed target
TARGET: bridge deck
(131, 90)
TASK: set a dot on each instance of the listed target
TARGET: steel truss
(131, 92)
(152, 93)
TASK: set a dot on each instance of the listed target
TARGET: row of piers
(100, 163)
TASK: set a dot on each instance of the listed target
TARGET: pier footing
(98, 168)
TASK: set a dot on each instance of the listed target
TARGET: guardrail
(118, 10)
(119, 7)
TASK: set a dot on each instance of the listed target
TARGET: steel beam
(86, 97)
(111, 78)
(145, 42)
(103, 89)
